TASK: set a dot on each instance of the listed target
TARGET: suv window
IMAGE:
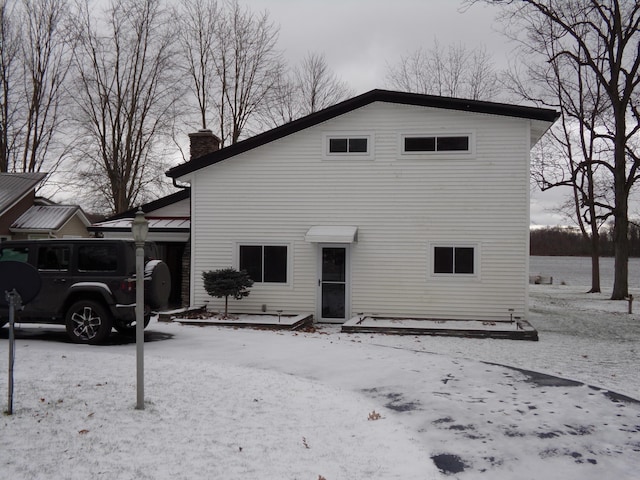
(53, 257)
(97, 258)
(16, 254)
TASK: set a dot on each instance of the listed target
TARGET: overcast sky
(359, 38)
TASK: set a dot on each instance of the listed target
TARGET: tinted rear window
(97, 258)
(54, 257)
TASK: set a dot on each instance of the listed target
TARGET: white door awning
(332, 234)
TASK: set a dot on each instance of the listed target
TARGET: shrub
(225, 283)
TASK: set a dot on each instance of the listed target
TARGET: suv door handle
(59, 280)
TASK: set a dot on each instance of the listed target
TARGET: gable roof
(14, 186)
(388, 96)
(47, 218)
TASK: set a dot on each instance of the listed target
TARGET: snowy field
(244, 404)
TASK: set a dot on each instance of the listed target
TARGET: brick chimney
(202, 143)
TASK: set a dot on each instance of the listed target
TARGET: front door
(333, 284)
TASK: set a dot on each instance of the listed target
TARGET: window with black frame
(454, 260)
(413, 144)
(264, 263)
(346, 145)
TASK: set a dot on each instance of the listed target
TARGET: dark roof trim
(154, 205)
(354, 103)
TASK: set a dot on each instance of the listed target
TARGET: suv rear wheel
(88, 321)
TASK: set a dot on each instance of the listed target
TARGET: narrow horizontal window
(264, 264)
(454, 260)
(436, 143)
(349, 145)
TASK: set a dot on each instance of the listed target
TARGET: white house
(388, 203)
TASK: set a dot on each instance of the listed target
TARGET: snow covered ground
(241, 403)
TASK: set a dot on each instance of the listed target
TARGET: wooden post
(630, 304)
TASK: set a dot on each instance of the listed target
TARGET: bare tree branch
(454, 72)
(35, 58)
(126, 91)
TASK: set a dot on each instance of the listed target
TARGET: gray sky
(359, 38)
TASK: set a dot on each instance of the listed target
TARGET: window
(15, 254)
(454, 260)
(264, 263)
(348, 145)
(354, 145)
(97, 258)
(53, 258)
(435, 143)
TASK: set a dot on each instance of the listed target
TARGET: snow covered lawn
(241, 403)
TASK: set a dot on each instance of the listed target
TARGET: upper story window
(348, 145)
(416, 144)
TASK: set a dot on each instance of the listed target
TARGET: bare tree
(232, 62)
(571, 156)
(9, 48)
(318, 86)
(453, 72)
(125, 92)
(307, 88)
(35, 56)
(247, 67)
(198, 41)
(282, 105)
(602, 37)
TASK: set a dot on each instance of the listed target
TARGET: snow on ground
(241, 403)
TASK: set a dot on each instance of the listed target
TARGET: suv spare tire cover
(157, 284)
(22, 277)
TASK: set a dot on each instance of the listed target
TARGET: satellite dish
(21, 276)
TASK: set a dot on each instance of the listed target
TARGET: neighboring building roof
(47, 218)
(148, 208)
(545, 116)
(155, 224)
(169, 228)
(14, 186)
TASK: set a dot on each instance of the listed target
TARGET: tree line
(103, 93)
(582, 58)
(569, 241)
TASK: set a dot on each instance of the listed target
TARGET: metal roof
(47, 217)
(155, 224)
(14, 186)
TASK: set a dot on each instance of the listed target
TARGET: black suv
(88, 285)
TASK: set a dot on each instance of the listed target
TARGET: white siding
(401, 206)
(177, 209)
